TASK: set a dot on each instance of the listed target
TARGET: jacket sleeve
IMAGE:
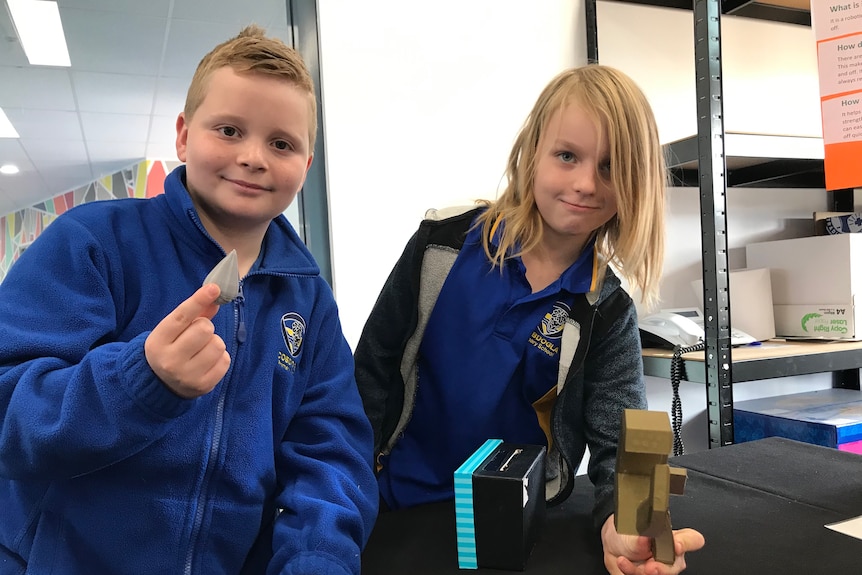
(72, 400)
(329, 496)
(381, 345)
(613, 382)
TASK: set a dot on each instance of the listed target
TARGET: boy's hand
(184, 351)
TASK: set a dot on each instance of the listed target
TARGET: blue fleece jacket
(104, 470)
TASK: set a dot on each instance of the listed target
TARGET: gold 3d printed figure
(644, 480)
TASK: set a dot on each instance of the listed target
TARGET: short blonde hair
(633, 240)
(252, 52)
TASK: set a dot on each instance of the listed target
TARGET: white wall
(422, 101)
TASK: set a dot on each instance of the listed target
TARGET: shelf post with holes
(713, 209)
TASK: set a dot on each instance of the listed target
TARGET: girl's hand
(632, 555)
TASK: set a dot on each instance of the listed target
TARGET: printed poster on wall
(838, 32)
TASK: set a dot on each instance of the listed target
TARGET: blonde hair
(633, 240)
(252, 52)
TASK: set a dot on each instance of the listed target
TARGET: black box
(509, 505)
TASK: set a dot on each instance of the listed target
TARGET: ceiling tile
(189, 41)
(22, 193)
(157, 8)
(163, 129)
(109, 167)
(161, 151)
(48, 154)
(24, 178)
(7, 205)
(12, 152)
(171, 95)
(36, 88)
(114, 93)
(115, 127)
(113, 152)
(266, 13)
(62, 179)
(114, 42)
(30, 191)
(45, 124)
(14, 187)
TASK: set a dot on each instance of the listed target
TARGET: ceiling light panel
(40, 31)
(7, 130)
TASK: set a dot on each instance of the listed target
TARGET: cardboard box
(829, 417)
(835, 321)
(499, 505)
(751, 308)
(815, 284)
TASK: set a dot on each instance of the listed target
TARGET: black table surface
(761, 506)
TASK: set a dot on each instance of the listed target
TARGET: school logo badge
(293, 330)
(554, 321)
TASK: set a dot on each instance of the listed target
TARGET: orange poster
(838, 32)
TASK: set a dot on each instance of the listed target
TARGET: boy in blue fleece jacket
(143, 427)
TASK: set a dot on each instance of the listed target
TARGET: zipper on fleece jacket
(239, 303)
(215, 444)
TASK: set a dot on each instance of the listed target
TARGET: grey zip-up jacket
(600, 375)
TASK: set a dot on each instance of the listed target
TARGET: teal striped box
(465, 528)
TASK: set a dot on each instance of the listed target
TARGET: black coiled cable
(676, 369)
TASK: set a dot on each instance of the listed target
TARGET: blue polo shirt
(490, 350)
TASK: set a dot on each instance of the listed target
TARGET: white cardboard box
(751, 309)
(815, 282)
(817, 321)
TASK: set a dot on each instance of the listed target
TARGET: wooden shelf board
(773, 359)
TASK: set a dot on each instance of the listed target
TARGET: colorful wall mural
(19, 229)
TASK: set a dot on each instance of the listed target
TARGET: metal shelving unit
(754, 363)
(754, 161)
(713, 160)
